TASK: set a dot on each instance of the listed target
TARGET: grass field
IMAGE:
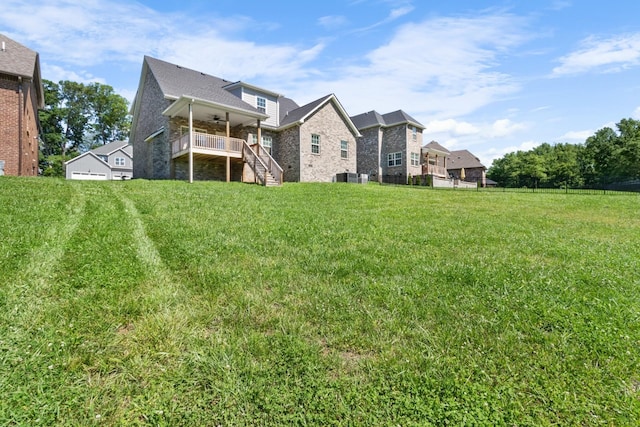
(164, 303)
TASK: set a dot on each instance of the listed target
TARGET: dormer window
(261, 104)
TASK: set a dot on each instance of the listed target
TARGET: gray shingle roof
(300, 112)
(463, 159)
(367, 120)
(109, 148)
(176, 81)
(373, 118)
(433, 145)
(399, 116)
(286, 106)
(16, 59)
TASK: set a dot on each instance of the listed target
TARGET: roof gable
(299, 115)
(400, 117)
(434, 146)
(109, 148)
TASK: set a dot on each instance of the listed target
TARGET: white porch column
(228, 130)
(190, 142)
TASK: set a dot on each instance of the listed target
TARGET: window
(120, 161)
(394, 159)
(267, 143)
(261, 104)
(415, 159)
(344, 149)
(414, 131)
(315, 144)
(253, 139)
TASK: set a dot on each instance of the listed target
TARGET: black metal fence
(628, 187)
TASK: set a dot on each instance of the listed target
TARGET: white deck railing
(205, 141)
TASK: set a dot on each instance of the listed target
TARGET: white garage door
(88, 176)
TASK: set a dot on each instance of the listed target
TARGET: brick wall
(18, 160)
(368, 152)
(328, 123)
(400, 139)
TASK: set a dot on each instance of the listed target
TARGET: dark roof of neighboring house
(19, 60)
(109, 148)
(367, 120)
(176, 81)
(373, 118)
(433, 145)
(463, 159)
(399, 116)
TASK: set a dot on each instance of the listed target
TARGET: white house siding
(250, 97)
(328, 123)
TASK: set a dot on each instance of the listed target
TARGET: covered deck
(193, 144)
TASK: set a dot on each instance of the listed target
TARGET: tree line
(76, 118)
(609, 156)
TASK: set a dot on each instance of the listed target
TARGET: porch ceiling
(212, 112)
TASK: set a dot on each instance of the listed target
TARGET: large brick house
(389, 146)
(191, 125)
(21, 95)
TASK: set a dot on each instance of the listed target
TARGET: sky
(491, 77)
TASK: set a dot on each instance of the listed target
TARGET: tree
(77, 117)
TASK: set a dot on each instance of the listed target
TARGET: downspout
(19, 126)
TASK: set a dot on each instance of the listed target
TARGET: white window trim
(117, 163)
(344, 149)
(262, 109)
(267, 143)
(415, 159)
(394, 159)
(315, 142)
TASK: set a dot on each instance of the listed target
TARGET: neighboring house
(389, 148)
(434, 158)
(110, 161)
(463, 165)
(190, 125)
(21, 95)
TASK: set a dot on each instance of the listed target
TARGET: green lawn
(165, 303)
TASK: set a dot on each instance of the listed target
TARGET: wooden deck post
(190, 142)
(228, 142)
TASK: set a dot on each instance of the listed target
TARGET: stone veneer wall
(328, 123)
(151, 159)
(288, 153)
(368, 153)
(399, 138)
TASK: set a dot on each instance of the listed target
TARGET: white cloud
(332, 22)
(504, 127)
(576, 135)
(602, 55)
(56, 74)
(636, 113)
(452, 127)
